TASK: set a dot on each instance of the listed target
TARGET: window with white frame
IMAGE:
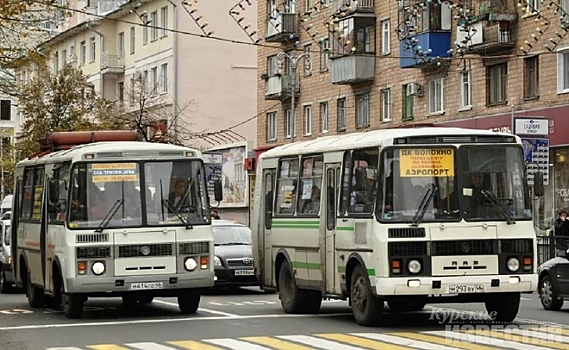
(154, 24)
(164, 77)
(341, 113)
(153, 80)
(83, 52)
(532, 6)
(362, 110)
(132, 40)
(93, 49)
(308, 59)
(324, 117)
(408, 104)
(496, 83)
(386, 105)
(164, 20)
(271, 126)
(465, 89)
(145, 29)
(56, 63)
(289, 124)
(120, 44)
(385, 37)
(63, 57)
(308, 120)
(324, 55)
(436, 95)
(563, 70)
(565, 7)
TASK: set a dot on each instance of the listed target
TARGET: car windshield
(106, 195)
(231, 235)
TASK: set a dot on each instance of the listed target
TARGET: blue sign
(536, 156)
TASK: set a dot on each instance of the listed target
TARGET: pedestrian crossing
(478, 337)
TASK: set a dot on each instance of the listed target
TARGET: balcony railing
(352, 69)
(279, 86)
(354, 6)
(284, 27)
(112, 64)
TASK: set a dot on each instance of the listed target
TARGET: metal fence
(547, 247)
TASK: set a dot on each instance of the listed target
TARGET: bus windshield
(109, 194)
(449, 184)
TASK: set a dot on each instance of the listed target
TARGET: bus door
(265, 245)
(332, 185)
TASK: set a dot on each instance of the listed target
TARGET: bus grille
(465, 247)
(144, 250)
(194, 248)
(92, 238)
(93, 252)
(408, 249)
(404, 232)
(516, 246)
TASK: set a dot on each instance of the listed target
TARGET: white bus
(113, 218)
(405, 216)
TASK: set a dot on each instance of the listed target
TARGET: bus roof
(374, 138)
(77, 152)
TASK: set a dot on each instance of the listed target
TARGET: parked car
(553, 285)
(6, 276)
(233, 255)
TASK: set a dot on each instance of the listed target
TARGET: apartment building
(477, 64)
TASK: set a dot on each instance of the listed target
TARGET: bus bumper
(441, 286)
(111, 286)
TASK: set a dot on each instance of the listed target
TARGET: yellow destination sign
(425, 162)
(111, 166)
(114, 178)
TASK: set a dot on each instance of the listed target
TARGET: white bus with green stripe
(402, 217)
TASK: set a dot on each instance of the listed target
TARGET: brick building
(378, 65)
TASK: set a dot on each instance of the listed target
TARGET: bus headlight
(98, 268)
(513, 264)
(190, 264)
(217, 261)
(414, 266)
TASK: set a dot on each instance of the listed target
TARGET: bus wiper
(492, 199)
(427, 198)
(183, 220)
(109, 215)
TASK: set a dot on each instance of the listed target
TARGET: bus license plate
(465, 289)
(244, 272)
(147, 285)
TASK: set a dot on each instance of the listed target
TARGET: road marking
(67, 348)
(214, 303)
(319, 343)
(275, 343)
(193, 345)
(243, 303)
(235, 344)
(364, 343)
(106, 347)
(149, 346)
(200, 309)
(485, 340)
(437, 340)
(168, 320)
(405, 342)
(517, 340)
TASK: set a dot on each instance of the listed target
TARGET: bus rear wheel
(366, 307)
(35, 294)
(503, 307)
(295, 300)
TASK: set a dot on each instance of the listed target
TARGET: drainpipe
(101, 82)
(175, 104)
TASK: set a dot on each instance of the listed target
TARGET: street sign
(536, 156)
(534, 127)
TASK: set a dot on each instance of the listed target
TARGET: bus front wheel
(189, 301)
(503, 307)
(295, 300)
(367, 308)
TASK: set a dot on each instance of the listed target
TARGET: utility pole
(293, 60)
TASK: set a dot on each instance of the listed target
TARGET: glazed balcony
(283, 27)
(347, 70)
(279, 87)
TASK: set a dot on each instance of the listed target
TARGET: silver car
(6, 276)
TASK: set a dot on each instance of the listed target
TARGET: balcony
(283, 27)
(438, 42)
(279, 87)
(112, 64)
(350, 7)
(494, 38)
(347, 70)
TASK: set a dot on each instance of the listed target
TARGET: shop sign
(534, 126)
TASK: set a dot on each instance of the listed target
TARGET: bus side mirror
(538, 187)
(217, 191)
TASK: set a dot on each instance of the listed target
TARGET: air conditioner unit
(413, 89)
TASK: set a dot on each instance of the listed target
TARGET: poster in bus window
(114, 172)
(285, 169)
(307, 167)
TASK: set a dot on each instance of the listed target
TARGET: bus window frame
(346, 213)
(34, 170)
(277, 185)
(319, 156)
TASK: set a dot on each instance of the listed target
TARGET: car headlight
(217, 261)
(513, 264)
(414, 266)
(190, 264)
(98, 268)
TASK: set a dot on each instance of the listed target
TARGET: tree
(146, 107)
(62, 101)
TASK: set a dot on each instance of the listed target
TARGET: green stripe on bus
(345, 228)
(300, 225)
(305, 265)
(294, 222)
(370, 272)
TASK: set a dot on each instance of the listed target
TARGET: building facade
(365, 65)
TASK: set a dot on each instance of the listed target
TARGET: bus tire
(293, 299)
(36, 297)
(145, 299)
(129, 300)
(406, 304)
(366, 307)
(73, 305)
(189, 301)
(5, 287)
(548, 295)
(503, 307)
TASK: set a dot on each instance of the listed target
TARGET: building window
(290, 123)
(408, 104)
(56, 63)
(433, 17)
(93, 48)
(355, 32)
(563, 71)
(132, 40)
(121, 93)
(436, 96)
(531, 77)
(497, 78)
(164, 76)
(307, 120)
(154, 24)
(271, 126)
(385, 37)
(120, 43)
(324, 55)
(386, 105)
(324, 117)
(63, 57)
(164, 21)
(465, 90)
(153, 80)
(145, 29)
(532, 6)
(6, 110)
(341, 113)
(83, 52)
(308, 59)
(362, 110)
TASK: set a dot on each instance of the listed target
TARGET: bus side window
(269, 183)
(345, 190)
(61, 179)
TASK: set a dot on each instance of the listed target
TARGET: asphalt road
(251, 320)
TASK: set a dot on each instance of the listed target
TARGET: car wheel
(548, 295)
